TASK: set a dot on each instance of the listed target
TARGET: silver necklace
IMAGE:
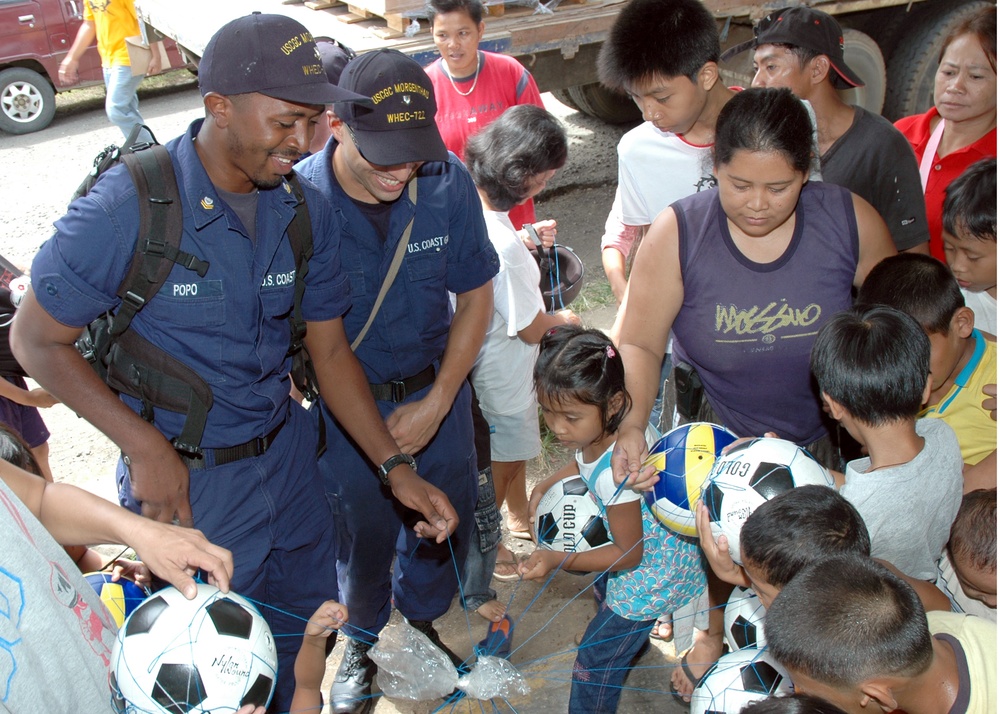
(451, 79)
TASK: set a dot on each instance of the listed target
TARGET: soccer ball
(568, 518)
(738, 679)
(213, 654)
(744, 620)
(683, 457)
(751, 473)
(120, 597)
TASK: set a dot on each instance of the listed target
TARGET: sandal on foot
(667, 620)
(506, 577)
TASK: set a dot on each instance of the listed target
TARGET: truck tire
(598, 101)
(563, 96)
(27, 101)
(913, 64)
(862, 54)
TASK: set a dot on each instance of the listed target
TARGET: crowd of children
(881, 592)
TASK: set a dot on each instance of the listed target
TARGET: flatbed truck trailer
(892, 44)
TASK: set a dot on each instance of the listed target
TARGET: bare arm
(344, 387)
(543, 322)
(414, 424)
(310, 663)
(159, 479)
(981, 475)
(875, 242)
(614, 268)
(69, 67)
(73, 516)
(654, 296)
(624, 551)
(27, 397)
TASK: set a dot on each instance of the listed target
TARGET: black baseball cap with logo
(397, 125)
(272, 55)
(807, 28)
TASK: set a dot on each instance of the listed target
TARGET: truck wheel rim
(21, 101)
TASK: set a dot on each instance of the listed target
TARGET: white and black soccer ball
(737, 679)
(751, 473)
(744, 620)
(212, 654)
(568, 518)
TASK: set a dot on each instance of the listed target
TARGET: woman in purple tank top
(744, 275)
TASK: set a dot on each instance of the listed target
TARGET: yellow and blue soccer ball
(684, 457)
(120, 597)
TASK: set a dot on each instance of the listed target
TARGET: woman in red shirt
(961, 127)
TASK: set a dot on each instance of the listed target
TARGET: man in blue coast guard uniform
(385, 165)
(256, 489)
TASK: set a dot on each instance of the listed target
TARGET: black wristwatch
(391, 463)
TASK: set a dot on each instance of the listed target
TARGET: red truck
(35, 35)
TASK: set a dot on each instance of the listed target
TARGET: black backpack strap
(160, 227)
(301, 239)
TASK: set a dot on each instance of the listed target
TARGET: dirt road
(38, 174)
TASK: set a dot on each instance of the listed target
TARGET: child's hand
(717, 552)
(546, 231)
(990, 403)
(134, 570)
(330, 616)
(40, 398)
(540, 563)
(568, 317)
(630, 451)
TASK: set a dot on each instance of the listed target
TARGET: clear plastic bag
(411, 667)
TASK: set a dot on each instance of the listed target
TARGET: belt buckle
(260, 445)
(398, 390)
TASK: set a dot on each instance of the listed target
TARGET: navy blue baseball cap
(396, 126)
(272, 55)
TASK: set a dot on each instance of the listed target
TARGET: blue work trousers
(270, 511)
(373, 529)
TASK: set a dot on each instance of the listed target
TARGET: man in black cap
(412, 230)
(254, 487)
(802, 49)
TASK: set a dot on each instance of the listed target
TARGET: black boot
(351, 692)
(427, 627)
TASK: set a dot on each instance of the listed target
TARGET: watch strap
(391, 463)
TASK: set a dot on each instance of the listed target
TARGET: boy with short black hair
(969, 573)
(871, 364)
(789, 532)
(969, 221)
(963, 362)
(853, 633)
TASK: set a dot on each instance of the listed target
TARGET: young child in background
(310, 663)
(851, 632)
(969, 573)
(580, 382)
(872, 366)
(963, 362)
(969, 222)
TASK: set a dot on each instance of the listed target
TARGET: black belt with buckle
(257, 446)
(397, 390)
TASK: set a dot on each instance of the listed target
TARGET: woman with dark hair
(744, 275)
(510, 161)
(961, 127)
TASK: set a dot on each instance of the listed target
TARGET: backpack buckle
(188, 450)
